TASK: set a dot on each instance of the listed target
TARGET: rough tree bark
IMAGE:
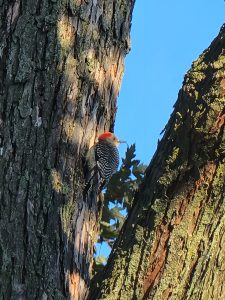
(172, 244)
(61, 64)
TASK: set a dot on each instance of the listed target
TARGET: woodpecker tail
(94, 183)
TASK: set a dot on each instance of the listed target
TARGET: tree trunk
(172, 243)
(61, 65)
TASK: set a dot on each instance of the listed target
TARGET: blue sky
(166, 37)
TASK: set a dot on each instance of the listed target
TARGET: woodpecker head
(111, 138)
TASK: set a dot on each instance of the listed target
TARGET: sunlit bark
(61, 64)
(172, 244)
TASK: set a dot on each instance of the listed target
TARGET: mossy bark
(172, 243)
(61, 65)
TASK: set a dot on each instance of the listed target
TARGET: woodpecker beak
(122, 142)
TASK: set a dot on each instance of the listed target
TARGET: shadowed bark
(61, 64)
(172, 243)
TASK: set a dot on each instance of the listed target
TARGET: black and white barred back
(107, 157)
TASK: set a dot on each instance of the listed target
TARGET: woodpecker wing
(107, 157)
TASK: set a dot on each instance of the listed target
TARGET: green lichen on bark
(60, 72)
(180, 206)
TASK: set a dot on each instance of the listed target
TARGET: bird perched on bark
(102, 161)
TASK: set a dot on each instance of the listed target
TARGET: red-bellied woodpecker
(102, 161)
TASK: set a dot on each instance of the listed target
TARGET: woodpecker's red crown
(110, 137)
(105, 135)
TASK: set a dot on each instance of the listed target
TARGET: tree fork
(171, 245)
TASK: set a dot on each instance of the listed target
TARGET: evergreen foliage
(118, 199)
